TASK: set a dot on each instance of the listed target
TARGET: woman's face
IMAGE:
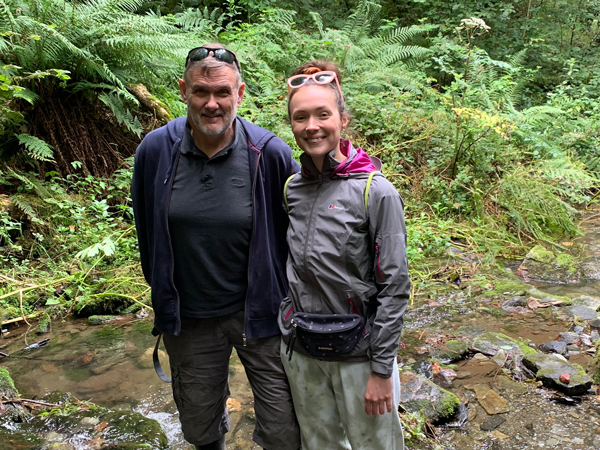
(316, 122)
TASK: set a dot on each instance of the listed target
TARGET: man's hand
(378, 397)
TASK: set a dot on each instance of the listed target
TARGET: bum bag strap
(157, 367)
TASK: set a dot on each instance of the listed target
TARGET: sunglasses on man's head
(220, 54)
(324, 77)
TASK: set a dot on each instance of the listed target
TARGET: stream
(111, 365)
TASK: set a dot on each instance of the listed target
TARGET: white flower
(474, 22)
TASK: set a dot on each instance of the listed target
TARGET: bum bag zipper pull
(290, 347)
(244, 339)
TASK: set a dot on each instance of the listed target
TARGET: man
(211, 228)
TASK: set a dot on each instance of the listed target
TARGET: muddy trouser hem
(329, 398)
(199, 360)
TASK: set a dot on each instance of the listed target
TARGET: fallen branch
(20, 319)
(34, 402)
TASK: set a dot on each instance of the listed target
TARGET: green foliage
(35, 147)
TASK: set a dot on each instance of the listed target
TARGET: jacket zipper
(244, 336)
(171, 174)
(310, 222)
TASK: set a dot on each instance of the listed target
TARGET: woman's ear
(344, 123)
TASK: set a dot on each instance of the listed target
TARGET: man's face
(212, 99)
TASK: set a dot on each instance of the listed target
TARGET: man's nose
(212, 103)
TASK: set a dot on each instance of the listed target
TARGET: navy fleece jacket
(271, 164)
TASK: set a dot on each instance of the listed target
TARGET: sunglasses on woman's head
(324, 77)
(220, 54)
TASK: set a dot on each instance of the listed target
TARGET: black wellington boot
(219, 444)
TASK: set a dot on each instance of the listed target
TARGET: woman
(348, 275)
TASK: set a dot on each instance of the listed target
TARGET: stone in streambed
(420, 394)
(559, 347)
(493, 423)
(490, 400)
(587, 301)
(451, 351)
(490, 343)
(583, 312)
(101, 320)
(569, 337)
(544, 265)
(548, 369)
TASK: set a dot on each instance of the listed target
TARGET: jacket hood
(357, 162)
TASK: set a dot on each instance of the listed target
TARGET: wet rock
(587, 301)
(490, 400)
(582, 312)
(451, 351)
(548, 369)
(569, 337)
(572, 348)
(420, 394)
(514, 303)
(480, 357)
(493, 423)
(13, 412)
(559, 347)
(594, 336)
(490, 343)
(578, 329)
(145, 360)
(101, 320)
(542, 264)
(500, 358)
(595, 324)
(469, 331)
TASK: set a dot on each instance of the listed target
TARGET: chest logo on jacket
(341, 208)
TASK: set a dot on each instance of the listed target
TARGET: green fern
(24, 204)
(122, 114)
(36, 148)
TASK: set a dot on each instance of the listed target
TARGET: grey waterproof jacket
(346, 258)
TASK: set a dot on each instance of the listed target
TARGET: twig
(19, 319)
(24, 400)
(12, 280)
(22, 312)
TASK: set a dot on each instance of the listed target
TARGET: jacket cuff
(381, 369)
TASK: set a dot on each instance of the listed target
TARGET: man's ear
(240, 93)
(182, 90)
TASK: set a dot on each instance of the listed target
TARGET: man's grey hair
(209, 63)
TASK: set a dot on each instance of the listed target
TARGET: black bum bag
(326, 335)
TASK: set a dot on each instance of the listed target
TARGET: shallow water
(111, 365)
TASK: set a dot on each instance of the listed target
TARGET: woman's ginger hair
(319, 65)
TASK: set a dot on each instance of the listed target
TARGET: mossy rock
(14, 439)
(545, 265)
(420, 394)
(100, 320)
(541, 254)
(452, 351)
(512, 287)
(9, 312)
(469, 331)
(132, 431)
(7, 386)
(43, 324)
(548, 369)
(490, 343)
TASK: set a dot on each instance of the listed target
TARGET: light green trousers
(329, 400)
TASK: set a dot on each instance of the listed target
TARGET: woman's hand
(378, 397)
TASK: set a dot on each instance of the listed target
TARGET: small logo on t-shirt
(237, 182)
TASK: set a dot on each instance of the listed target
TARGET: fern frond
(122, 114)
(36, 148)
(21, 202)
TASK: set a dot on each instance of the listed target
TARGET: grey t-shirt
(210, 223)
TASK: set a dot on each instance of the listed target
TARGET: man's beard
(210, 131)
